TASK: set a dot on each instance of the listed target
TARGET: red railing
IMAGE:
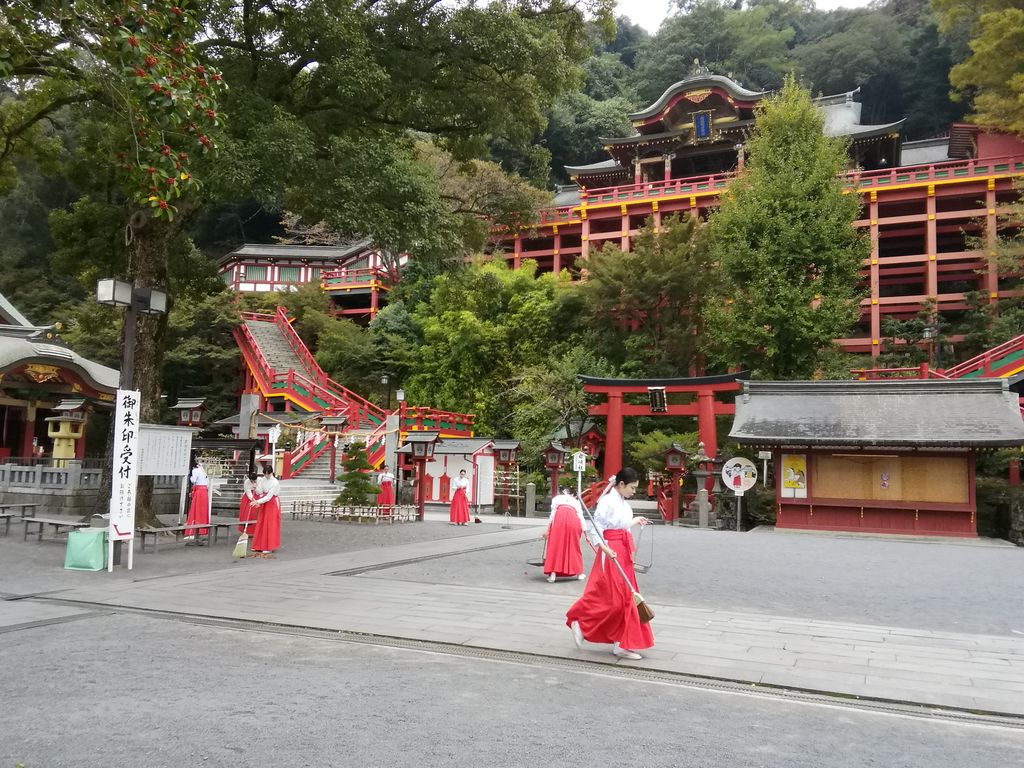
(922, 371)
(985, 359)
(419, 419)
(859, 180)
(361, 412)
(665, 503)
(355, 278)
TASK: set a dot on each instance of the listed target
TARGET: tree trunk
(148, 255)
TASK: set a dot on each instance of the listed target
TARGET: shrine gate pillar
(613, 435)
(707, 431)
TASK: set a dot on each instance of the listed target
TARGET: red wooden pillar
(991, 240)
(613, 438)
(875, 283)
(1014, 471)
(29, 430)
(668, 167)
(556, 259)
(517, 251)
(931, 240)
(707, 431)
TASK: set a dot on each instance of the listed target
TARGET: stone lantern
(66, 430)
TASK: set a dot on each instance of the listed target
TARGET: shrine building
(930, 208)
(356, 277)
(892, 456)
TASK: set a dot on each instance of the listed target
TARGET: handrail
(364, 410)
(859, 180)
(984, 359)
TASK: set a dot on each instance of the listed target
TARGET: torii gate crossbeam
(705, 408)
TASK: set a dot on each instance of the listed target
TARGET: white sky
(650, 13)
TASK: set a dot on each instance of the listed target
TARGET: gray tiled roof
(981, 413)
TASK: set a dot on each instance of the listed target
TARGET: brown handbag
(644, 610)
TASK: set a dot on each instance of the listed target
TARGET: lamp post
(554, 462)
(421, 446)
(334, 425)
(148, 301)
(386, 380)
(675, 457)
(933, 333)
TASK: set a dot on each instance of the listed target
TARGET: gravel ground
(196, 695)
(972, 587)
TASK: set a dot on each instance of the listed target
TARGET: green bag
(87, 550)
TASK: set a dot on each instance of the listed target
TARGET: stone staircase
(275, 348)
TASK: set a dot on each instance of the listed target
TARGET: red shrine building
(356, 276)
(931, 208)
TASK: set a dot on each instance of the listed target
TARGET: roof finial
(698, 69)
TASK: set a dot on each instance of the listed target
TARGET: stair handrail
(664, 500)
(365, 409)
(254, 348)
(985, 359)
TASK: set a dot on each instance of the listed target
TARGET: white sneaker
(582, 576)
(577, 634)
(622, 653)
(551, 578)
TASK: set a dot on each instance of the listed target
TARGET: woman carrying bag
(607, 612)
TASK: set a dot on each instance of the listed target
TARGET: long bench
(216, 526)
(35, 525)
(6, 515)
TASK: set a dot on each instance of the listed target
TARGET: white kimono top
(612, 513)
(564, 499)
(199, 476)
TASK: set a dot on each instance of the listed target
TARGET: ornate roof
(274, 251)
(697, 82)
(981, 413)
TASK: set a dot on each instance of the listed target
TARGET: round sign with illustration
(739, 474)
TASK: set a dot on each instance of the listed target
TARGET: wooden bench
(216, 526)
(35, 526)
(375, 515)
(6, 515)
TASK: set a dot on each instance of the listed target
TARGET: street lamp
(420, 446)
(385, 379)
(148, 301)
(933, 333)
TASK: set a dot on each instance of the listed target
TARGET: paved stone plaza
(921, 623)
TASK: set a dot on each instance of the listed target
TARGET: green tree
(648, 450)
(785, 243)
(994, 72)
(577, 125)
(479, 326)
(647, 303)
(355, 478)
(548, 397)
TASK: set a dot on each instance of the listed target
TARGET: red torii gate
(705, 407)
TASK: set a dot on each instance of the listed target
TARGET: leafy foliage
(786, 246)
(647, 303)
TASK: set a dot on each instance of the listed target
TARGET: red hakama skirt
(562, 555)
(268, 530)
(199, 510)
(606, 611)
(247, 512)
(458, 513)
(386, 497)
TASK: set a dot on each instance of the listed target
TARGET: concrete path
(976, 672)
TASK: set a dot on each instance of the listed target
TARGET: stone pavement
(342, 592)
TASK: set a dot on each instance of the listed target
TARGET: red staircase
(1000, 362)
(282, 367)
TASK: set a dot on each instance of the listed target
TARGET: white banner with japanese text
(125, 476)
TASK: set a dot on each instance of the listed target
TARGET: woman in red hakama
(606, 612)
(268, 530)
(562, 554)
(386, 481)
(199, 506)
(246, 512)
(458, 513)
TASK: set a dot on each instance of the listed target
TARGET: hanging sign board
(739, 475)
(579, 462)
(125, 475)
